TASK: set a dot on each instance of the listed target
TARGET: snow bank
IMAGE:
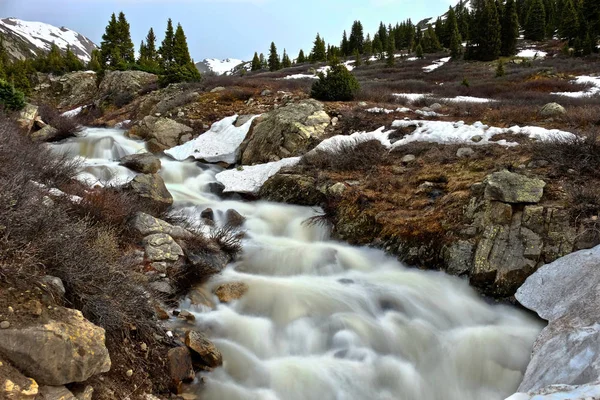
(221, 67)
(594, 90)
(219, 144)
(249, 179)
(347, 64)
(58, 193)
(436, 64)
(458, 132)
(412, 58)
(301, 76)
(466, 99)
(73, 113)
(333, 144)
(379, 110)
(412, 97)
(531, 53)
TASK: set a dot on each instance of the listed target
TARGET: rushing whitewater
(323, 320)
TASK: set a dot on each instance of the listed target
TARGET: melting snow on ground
(249, 179)
(412, 97)
(42, 35)
(531, 53)
(594, 90)
(73, 113)
(347, 64)
(562, 392)
(379, 110)
(221, 67)
(219, 144)
(436, 64)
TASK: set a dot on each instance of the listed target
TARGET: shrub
(11, 98)
(338, 85)
(66, 127)
(579, 153)
(500, 69)
(347, 156)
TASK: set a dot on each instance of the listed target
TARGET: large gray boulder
(552, 110)
(161, 133)
(284, 132)
(124, 84)
(146, 224)
(151, 188)
(567, 294)
(69, 90)
(161, 247)
(509, 187)
(65, 349)
(145, 163)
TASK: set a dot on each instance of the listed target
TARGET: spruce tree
(569, 23)
(368, 46)
(180, 68)
(485, 32)
(345, 45)
(55, 61)
(357, 39)
(263, 61)
(273, 62)
(166, 48)
(151, 52)
(94, 64)
(181, 53)
(285, 60)
(319, 52)
(398, 37)
(419, 51)
(591, 9)
(72, 62)
(510, 29)
(256, 66)
(301, 57)
(455, 38)
(125, 44)
(377, 46)
(430, 41)
(382, 34)
(391, 48)
(109, 47)
(535, 24)
(357, 59)
(440, 32)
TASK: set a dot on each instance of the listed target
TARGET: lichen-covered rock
(124, 84)
(46, 134)
(14, 385)
(163, 133)
(201, 346)
(509, 187)
(552, 110)
(284, 132)
(293, 189)
(459, 257)
(566, 294)
(151, 188)
(59, 351)
(68, 91)
(145, 163)
(229, 292)
(234, 218)
(27, 117)
(146, 224)
(161, 247)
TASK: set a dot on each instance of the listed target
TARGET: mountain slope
(219, 67)
(26, 39)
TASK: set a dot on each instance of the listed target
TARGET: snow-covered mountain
(26, 39)
(219, 67)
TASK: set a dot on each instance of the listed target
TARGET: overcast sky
(227, 28)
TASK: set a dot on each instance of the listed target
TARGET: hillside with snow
(25, 39)
(219, 67)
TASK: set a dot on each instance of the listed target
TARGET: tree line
(484, 31)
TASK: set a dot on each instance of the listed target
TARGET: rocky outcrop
(509, 187)
(284, 132)
(145, 163)
(72, 90)
(292, 188)
(161, 133)
(151, 188)
(561, 392)
(145, 224)
(566, 294)
(180, 367)
(46, 134)
(123, 85)
(60, 351)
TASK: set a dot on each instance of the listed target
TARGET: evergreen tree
(55, 61)
(10, 97)
(263, 61)
(589, 45)
(273, 62)
(180, 67)
(3, 59)
(550, 10)
(345, 45)
(510, 29)
(368, 46)
(441, 32)
(500, 69)
(357, 59)
(72, 62)
(485, 32)
(301, 57)
(382, 34)
(430, 42)
(319, 52)
(377, 46)
(398, 37)
(535, 24)
(569, 23)
(151, 53)
(391, 48)
(285, 60)
(94, 64)
(256, 65)
(357, 39)
(455, 38)
(591, 9)
(419, 51)
(181, 53)
(125, 44)
(109, 47)
(166, 48)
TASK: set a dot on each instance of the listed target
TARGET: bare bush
(348, 156)
(66, 127)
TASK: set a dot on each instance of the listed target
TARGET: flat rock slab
(567, 294)
(509, 187)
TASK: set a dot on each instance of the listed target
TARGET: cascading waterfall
(323, 320)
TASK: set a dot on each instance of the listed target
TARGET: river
(323, 320)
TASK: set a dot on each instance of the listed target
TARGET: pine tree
(368, 46)
(419, 51)
(285, 60)
(377, 46)
(455, 39)
(382, 33)
(345, 45)
(181, 53)
(94, 64)
(273, 62)
(569, 23)
(391, 48)
(179, 67)
(148, 60)
(319, 52)
(357, 59)
(55, 61)
(357, 39)
(3, 59)
(166, 48)
(440, 32)
(151, 53)
(591, 9)
(485, 32)
(430, 41)
(398, 37)
(125, 44)
(72, 62)
(550, 9)
(510, 29)
(256, 63)
(263, 61)
(109, 47)
(500, 69)
(301, 57)
(535, 23)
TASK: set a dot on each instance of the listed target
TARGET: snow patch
(412, 97)
(531, 53)
(73, 113)
(219, 144)
(436, 64)
(249, 179)
(379, 110)
(594, 90)
(467, 99)
(221, 67)
(325, 69)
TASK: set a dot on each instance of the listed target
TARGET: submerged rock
(566, 294)
(201, 346)
(60, 351)
(229, 292)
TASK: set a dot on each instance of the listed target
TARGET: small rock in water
(234, 218)
(231, 291)
(208, 214)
